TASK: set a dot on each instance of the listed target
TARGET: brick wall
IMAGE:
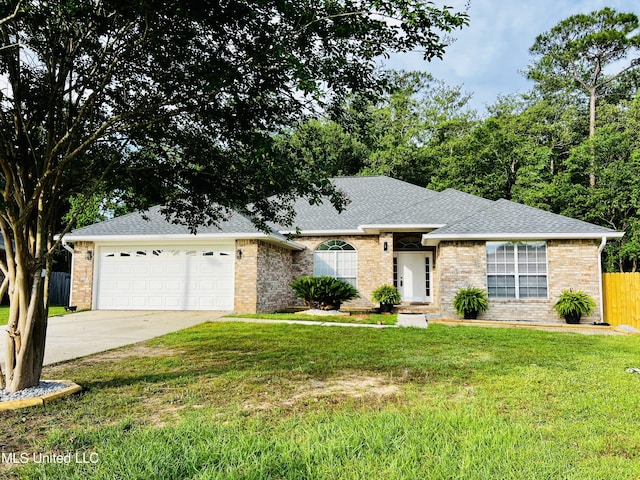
(262, 277)
(82, 287)
(375, 266)
(571, 264)
(274, 276)
(246, 275)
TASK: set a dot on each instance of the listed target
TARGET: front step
(427, 308)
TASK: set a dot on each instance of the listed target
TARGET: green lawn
(4, 313)
(257, 401)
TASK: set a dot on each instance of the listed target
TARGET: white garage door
(165, 278)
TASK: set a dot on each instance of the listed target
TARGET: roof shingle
(375, 200)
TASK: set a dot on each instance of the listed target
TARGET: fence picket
(621, 292)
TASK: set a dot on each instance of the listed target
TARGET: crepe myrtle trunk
(27, 325)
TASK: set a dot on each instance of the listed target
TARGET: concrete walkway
(583, 329)
(80, 334)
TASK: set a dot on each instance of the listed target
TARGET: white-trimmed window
(517, 269)
(338, 259)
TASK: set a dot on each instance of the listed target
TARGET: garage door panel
(169, 278)
(139, 285)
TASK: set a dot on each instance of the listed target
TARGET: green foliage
(85, 210)
(386, 294)
(574, 303)
(575, 54)
(323, 292)
(326, 146)
(469, 300)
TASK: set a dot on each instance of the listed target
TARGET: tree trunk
(3, 290)
(26, 330)
(592, 132)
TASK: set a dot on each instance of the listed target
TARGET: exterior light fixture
(239, 254)
(89, 254)
(385, 246)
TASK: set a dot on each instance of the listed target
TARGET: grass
(362, 319)
(4, 313)
(258, 401)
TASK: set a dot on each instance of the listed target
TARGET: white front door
(413, 276)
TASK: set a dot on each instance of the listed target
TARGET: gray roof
(439, 209)
(156, 224)
(372, 200)
(378, 201)
(505, 218)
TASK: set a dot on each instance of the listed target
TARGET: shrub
(469, 301)
(324, 292)
(574, 304)
(386, 294)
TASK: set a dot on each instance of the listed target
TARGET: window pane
(501, 286)
(346, 264)
(524, 261)
(533, 286)
(532, 268)
(338, 259)
(324, 264)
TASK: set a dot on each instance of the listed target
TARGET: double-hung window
(338, 259)
(517, 269)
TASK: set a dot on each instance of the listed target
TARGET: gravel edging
(45, 387)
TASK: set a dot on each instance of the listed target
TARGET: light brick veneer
(262, 277)
(375, 266)
(571, 264)
(82, 287)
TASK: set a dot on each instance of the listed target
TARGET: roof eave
(321, 233)
(290, 244)
(369, 229)
(429, 239)
(400, 227)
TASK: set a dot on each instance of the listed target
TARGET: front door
(413, 276)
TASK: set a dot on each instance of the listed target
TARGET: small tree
(174, 103)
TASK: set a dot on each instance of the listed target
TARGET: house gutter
(66, 246)
(199, 238)
(600, 249)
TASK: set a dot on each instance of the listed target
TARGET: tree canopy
(577, 56)
(171, 102)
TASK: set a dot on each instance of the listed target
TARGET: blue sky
(489, 54)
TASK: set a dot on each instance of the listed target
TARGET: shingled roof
(505, 219)
(371, 200)
(153, 222)
(374, 203)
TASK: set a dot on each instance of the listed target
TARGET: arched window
(409, 243)
(338, 259)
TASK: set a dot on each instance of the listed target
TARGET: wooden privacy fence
(59, 287)
(621, 292)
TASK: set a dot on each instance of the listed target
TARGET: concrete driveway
(79, 334)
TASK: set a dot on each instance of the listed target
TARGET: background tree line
(570, 146)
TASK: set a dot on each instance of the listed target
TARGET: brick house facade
(396, 233)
